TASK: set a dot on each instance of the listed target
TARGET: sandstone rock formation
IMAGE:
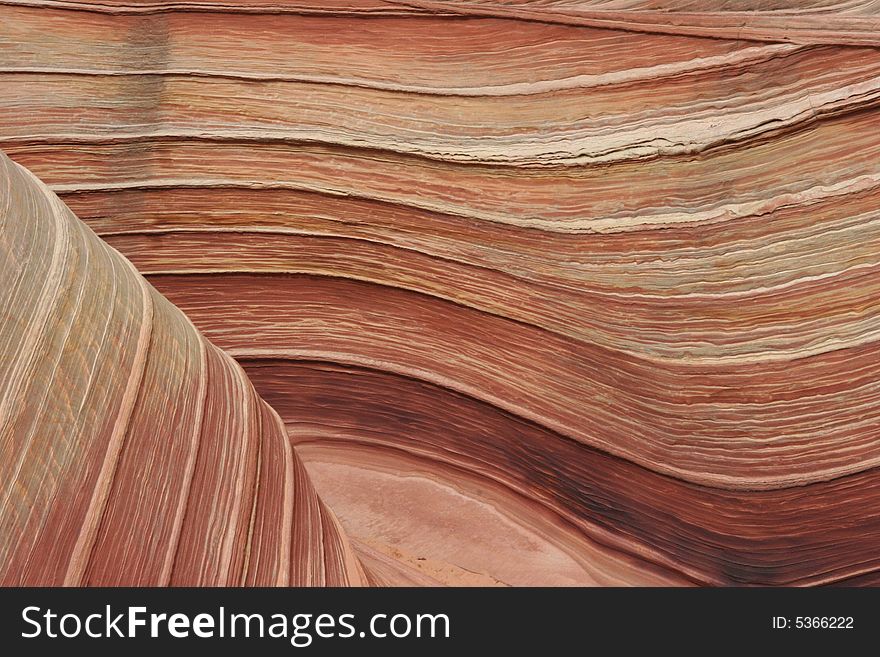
(556, 292)
(134, 451)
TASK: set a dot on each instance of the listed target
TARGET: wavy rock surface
(134, 451)
(543, 292)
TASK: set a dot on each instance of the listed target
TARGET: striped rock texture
(134, 451)
(540, 292)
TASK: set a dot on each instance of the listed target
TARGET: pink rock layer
(134, 452)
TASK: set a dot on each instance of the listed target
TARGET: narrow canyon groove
(416, 292)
